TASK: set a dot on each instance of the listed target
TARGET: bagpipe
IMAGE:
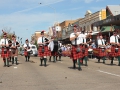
(14, 46)
(42, 45)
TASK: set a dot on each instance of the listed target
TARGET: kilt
(113, 53)
(99, 53)
(54, 53)
(69, 53)
(5, 55)
(9, 52)
(25, 53)
(76, 55)
(46, 52)
(14, 54)
(86, 51)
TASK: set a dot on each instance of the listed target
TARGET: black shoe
(80, 69)
(74, 67)
(119, 64)
(86, 65)
(103, 62)
(4, 65)
(111, 63)
(7, 65)
(40, 65)
(98, 61)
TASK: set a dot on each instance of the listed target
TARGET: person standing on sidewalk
(43, 50)
(14, 50)
(76, 53)
(27, 50)
(5, 49)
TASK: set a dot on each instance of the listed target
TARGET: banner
(54, 31)
(50, 31)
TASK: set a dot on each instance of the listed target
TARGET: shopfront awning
(109, 28)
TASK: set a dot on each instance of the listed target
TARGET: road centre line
(109, 73)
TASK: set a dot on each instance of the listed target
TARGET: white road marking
(108, 73)
(15, 67)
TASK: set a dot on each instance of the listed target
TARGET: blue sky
(24, 17)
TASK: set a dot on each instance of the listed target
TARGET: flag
(50, 31)
(54, 31)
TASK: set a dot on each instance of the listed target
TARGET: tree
(36, 44)
(8, 31)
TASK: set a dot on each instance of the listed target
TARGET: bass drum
(55, 49)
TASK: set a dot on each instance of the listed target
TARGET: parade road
(59, 75)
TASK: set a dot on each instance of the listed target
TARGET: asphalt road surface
(59, 75)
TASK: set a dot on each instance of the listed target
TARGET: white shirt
(78, 41)
(40, 40)
(112, 39)
(2, 41)
(100, 41)
(51, 45)
(25, 45)
(83, 37)
(13, 43)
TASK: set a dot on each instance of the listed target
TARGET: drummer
(43, 50)
(101, 48)
(115, 47)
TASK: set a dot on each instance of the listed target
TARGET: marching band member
(14, 50)
(85, 42)
(76, 47)
(10, 43)
(115, 47)
(27, 50)
(59, 50)
(53, 46)
(43, 51)
(5, 49)
(101, 48)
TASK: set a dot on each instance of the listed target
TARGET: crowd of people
(78, 50)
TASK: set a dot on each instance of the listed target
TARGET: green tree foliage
(36, 44)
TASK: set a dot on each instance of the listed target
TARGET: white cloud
(25, 3)
(88, 1)
(99, 0)
(19, 20)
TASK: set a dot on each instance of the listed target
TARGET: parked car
(34, 50)
(22, 52)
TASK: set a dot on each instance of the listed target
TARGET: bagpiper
(83, 37)
(43, 50)
(59, 50)
(10, 44)
(5, 49)
(76, 50)
(14, 49)
(115, 47)
(100, 51)
(53, 46)
(27, 50)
